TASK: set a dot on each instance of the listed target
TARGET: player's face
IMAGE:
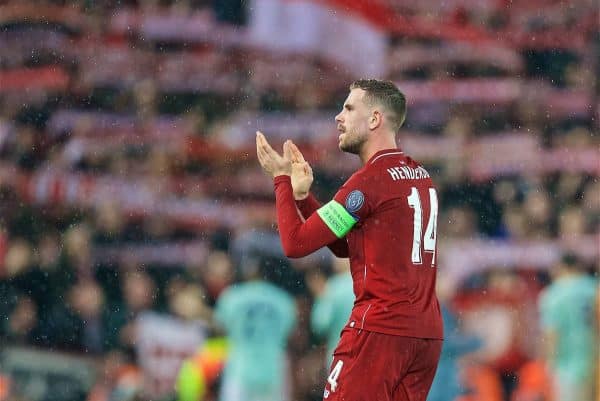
(352, 122)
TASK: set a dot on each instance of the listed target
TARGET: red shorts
(369, 366)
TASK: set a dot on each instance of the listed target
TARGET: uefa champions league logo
(354, 201)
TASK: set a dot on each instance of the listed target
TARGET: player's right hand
(271, 161)
(302, 174)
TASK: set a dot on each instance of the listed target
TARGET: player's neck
(375, 144)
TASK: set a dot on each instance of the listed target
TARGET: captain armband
(337, 218)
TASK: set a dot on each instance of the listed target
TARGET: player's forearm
(298, 238)
(310, 205)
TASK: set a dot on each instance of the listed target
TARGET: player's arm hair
(298, 238)
(310, 205)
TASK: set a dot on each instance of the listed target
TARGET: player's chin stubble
(351, 145)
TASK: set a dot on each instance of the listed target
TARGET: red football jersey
(392, 245)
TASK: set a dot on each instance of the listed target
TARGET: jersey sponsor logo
(354, 201)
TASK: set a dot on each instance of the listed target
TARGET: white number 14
(414, 201)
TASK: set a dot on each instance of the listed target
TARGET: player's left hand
(302, 174)
(272, 162)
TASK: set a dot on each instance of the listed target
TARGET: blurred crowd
(130, 186)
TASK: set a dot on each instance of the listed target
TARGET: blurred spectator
(199, 375)
(569, 325)
(537, 205)
(482, 383)
(82, 324)
(515, 223)
(119, 379)
(447, 385)
(333, 303)
(109, 224)
(18, 258)
(257, 317)
(217, 274)
(591, 205)
(571, 224)
(22, 323)
(77, 258)
(459, 222)
(534, 383)
(139, 295)
(188, 303)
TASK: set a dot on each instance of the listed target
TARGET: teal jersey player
(568, 320)
(258, 318)
(331, 310)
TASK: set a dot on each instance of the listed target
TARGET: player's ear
(375, 120)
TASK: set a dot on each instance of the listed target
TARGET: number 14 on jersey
(428, 243)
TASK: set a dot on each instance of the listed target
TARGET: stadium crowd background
(129, 181)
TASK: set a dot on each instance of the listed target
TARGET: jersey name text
(407, 173)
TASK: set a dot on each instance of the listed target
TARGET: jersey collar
(384, 153)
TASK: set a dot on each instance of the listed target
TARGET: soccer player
(568, 320)
(384, 219)
(257, 317)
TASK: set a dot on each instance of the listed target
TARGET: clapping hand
(292, 163)
(302, 174)
(272, 162)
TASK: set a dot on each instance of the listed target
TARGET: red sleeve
(297, 238)
(356, 197)
(307, 207)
